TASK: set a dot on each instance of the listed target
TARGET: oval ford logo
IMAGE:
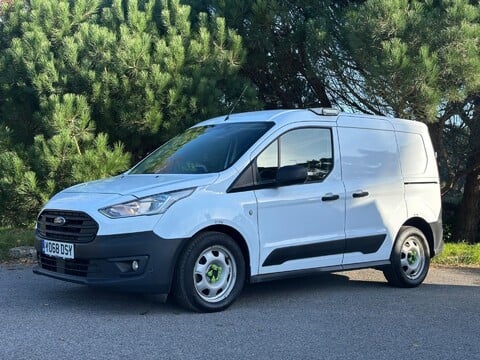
(59, 220)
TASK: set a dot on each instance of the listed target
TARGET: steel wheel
(412, 258)
(210, 273)
(215, 274)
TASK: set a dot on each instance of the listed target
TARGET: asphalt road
(351, 315)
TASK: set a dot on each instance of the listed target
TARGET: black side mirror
(293, 174)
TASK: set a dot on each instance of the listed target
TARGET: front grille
(75, 267)
(75, 226)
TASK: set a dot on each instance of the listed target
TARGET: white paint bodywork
(371, 154)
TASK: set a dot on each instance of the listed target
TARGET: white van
(252, 197)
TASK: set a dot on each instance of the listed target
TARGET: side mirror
(293, 174)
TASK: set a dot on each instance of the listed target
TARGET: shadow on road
(82, 298)
(319, 288)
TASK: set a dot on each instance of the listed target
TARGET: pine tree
(292, 48)
(71, 154)
(73, 71)
(146, 71)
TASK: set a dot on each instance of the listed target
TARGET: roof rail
(325, 111)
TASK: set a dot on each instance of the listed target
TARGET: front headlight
(150, 205)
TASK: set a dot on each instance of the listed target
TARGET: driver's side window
(309, 147)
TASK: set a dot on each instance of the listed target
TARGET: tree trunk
(468, 214)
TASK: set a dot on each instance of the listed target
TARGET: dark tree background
(88, 86)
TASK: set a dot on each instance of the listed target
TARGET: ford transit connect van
(252, 197)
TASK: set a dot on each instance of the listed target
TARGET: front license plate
(58, 249)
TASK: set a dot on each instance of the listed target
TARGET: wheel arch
(237, 237)
(426, 229)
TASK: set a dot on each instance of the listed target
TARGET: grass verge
(10, 238)
(459, 254)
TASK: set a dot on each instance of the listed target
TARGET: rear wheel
(410, 259)
(210, 273)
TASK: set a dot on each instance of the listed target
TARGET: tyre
(210, 273)
(410, 259)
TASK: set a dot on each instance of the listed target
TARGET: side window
(309, 147)
(267, 164)
(413, 155)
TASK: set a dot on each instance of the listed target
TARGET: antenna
(236, 103)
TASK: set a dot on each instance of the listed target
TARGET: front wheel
(210, 273)
(410, 259)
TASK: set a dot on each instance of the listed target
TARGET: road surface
(348, 315)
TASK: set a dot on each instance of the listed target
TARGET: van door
(375, 204)
(300, 226)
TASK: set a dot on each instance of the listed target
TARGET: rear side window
(413, 155)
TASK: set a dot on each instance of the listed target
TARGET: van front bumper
(108, 261)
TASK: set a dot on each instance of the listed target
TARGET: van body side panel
(437, 229)
(423, 201)
(422, 188)
(375, 203)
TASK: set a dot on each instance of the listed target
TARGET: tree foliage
(142, 70)
(421, 58)
(146, 72)
(290, 44)
(413, 59)
(73, 71)
(67, 153)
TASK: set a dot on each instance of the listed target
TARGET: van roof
(398, 124)
(278, 116)
(285, 116)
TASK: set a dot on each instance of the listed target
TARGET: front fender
(204, 209)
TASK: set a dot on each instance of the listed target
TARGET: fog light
(134, 265)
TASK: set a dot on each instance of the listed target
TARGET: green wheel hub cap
(412, 257)
(214, 273)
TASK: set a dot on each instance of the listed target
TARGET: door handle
(360, 194)
(330, 197)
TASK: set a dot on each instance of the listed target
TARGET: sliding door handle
(360, 194)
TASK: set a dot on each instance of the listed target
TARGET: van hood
(91, 196)
(142, 185)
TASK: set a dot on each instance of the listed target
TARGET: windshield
(203, 149)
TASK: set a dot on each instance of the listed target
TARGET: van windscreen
(203, 149)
